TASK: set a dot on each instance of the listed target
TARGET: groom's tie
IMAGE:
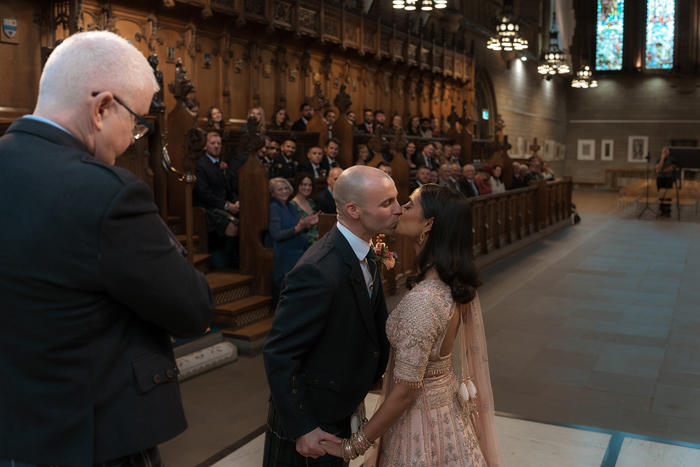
(372, 265)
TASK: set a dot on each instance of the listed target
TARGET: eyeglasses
(141, 128)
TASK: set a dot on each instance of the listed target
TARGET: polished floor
(594, 346)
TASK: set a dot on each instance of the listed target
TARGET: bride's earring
(422, 237)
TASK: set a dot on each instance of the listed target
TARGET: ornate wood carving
(280, 61)
(342, 129)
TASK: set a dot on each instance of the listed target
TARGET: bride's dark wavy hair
(448, 247)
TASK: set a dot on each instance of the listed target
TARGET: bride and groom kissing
(333, 339)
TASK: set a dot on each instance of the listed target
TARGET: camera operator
(665, 176)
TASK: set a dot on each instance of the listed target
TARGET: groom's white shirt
(360, 248)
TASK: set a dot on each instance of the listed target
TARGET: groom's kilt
(282, 452)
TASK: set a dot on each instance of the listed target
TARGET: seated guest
(351, 117)
(425, 131)
(422, 177)
(496, 180)
(414, 127)
(520, 177)
(258, 113)
(445, 128)
(325, 201)
(427, 157)
(434, 129)
(447, 153)
(280, 120)
(482, 180)
(193, 106)
(329, 117)
(379, 122)
(305, 206)
(385, 167)
(456, 176)
(547, 172)
(307, 112)
(362, 155)
(215, 118)
(535, 173)
(273, 152)
(456, 153)
(313, 164)
(284, 165)
(261, 156)
(331, 152)
(444, 173)
(437, 155)
(366, 127)
(395, 124)
(434, 176)
(469, 187)
(410, 154)
(516, 168)
(288, 231)
(213, 192)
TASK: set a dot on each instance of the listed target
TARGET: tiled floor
(597, 326)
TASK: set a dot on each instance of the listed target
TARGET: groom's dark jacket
(327, 345)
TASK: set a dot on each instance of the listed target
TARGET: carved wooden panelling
(384, 46)
(282, 14)
(458, 68)
(369, 39)
(412, 50)
(424, 56)
(255, 7)
(449, 63)
(331, 28)
(307, 21)
(352, 31)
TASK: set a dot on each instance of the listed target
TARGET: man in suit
(422, 177)
(366, 127)
(380, 122)
(426, 157)
(213, 192)
(307, 112)
(328, 344)
(284, 165)
(325, 202)
(331, 152)
(93, 284)
(313, 164)
(468, 186)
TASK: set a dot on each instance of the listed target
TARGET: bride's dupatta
(473, 360)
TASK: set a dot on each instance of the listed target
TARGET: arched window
(610, 26)
(661, 16)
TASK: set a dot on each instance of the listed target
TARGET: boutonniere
(382, 255)
(223, 166)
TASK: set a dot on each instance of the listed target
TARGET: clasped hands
(318, 443)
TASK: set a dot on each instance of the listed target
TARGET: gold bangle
(356, 444)
(363, 438)
(343, 450)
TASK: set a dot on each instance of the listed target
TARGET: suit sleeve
(142, 268)
(300, 318)
(204, 192)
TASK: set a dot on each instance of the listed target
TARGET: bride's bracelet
(362, 440)
(348, 450)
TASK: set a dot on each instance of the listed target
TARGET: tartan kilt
(218, 219)
(282, 452)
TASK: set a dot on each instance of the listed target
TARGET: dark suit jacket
(284, 169)
(327, 165)
(91, 287)
(306, 167)
(362, 128)
(325, 202)
(213, 187)
(467, 190)
(299, 125)
(419, 160)
(327, 345)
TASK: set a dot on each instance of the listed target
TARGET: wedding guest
(395, 124)
(535, 173)
(422, 177)
(325, 201)
(307, 112)
(258, 113)
(385, 167)
(482, 180)
(262, 156)
(363, 155)
(496, 180)
(456, 176)
(288, 231)
(331, 153)
(434, 176)
(457, 153)
(305, 206)
(329, 117)
(193, 106)
(427, 157)
(280, 120)
(414, 127)
(447, 153)
(444, 173)
(379, 122)
(368, 117)
(469, 187)
(434, 128)
(410, 154)
(547, 172)
(313, 164)
(425, 131)
(215, 118)
(520, 179)
(351, 117)
(284, 165)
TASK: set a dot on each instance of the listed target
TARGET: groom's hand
(307, 445)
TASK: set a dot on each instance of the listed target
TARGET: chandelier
(424, 5)
(555, 58)
(583, 79)
(507, 32)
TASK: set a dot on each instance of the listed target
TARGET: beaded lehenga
(440, 427)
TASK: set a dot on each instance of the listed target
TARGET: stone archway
(484, 109)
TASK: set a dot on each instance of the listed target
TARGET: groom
(328, 345)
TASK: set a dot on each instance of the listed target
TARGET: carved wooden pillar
(254, 56)
(342, 129)
(282, 65)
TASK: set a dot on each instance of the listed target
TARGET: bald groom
(328, 344)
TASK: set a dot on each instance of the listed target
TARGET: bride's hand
(331, 448)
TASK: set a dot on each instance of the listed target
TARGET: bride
(427, 414)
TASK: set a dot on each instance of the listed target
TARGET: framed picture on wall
(526, 152)
(549, 149)
(520, 147)
(606, 149)
(637, 148)
(586, 150)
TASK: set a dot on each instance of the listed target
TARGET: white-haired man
(328, 345)
(92, 285)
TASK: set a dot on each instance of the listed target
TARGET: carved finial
(318, 101)
(253, 140)
(342, 101)
(182, 85)
(398, 144)
(157, 104)
(195, 141)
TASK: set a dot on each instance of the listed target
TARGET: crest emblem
(9, 27)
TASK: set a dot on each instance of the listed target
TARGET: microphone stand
(647, 197)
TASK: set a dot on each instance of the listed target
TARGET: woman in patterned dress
(428, 415)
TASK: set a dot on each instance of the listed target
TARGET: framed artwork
(549, 150)
(586, 150)
(637, 148)
(520, 147)
(207, 61)
(170, 54)
(526, 153)
(606, 149)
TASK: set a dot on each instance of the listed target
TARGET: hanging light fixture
(583, 79)
(555, 58)
(424, 5)
(507, 32)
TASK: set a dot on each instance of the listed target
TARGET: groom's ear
(352, 210)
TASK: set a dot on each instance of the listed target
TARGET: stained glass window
(611, 21)
(660, 32)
